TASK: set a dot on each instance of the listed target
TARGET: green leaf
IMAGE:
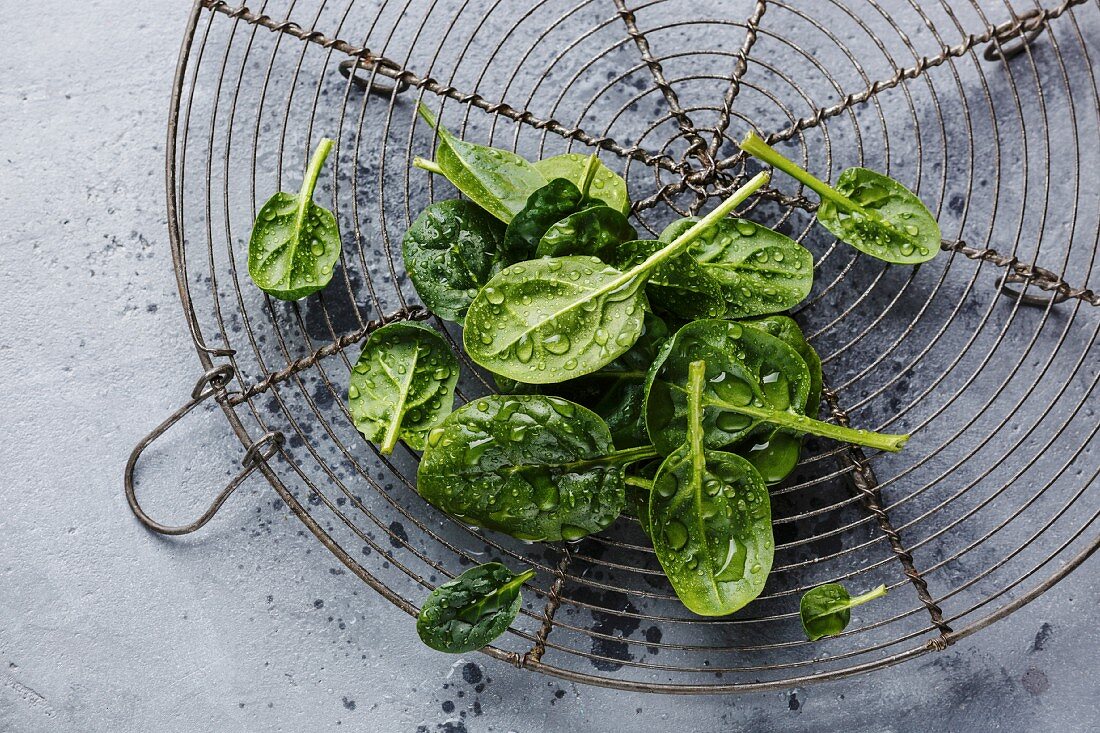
(870, 211)
(827, 609)
(295, 243)
(451, 250)
(553, 319)
(606, 185)
(758, 269)
(591, 231)
(710, 520)
(402, 384)
(755, 384)
(775, 454)
(533, 467)
(472, 610)
(498, 181)
(679, 286)
(556, 200)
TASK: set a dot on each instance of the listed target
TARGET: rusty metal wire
(995, 499)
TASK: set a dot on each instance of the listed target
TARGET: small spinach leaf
(497, 180)
(710, 520)
(402, 384)
(827, 609)
(450, 251)
(553, 319)
(553, 202)
(755, 384)
(531, 466)
(870, 211)
(591, 231)
(295, 243)
(759, 270)
(472, 610)
(606, 185)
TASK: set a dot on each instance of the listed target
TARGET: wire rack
(988, 354)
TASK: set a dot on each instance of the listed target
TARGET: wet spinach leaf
(775, 454)
(868, 210)
(759, 270)
(472, 610)
(553, 319)
(451, 250)
(755, 384)
(295, 243)
(606, 185)
(402, 385)
(680, 286)
(553, 202)
(827, 609)
(497, 180)
(710, 519)
(591, 231)
(531, 466)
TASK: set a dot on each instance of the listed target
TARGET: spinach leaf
(679, 286)
(606, 185)
(531, 466)
(755, 384)
(472, 610)
(775, 454)
(710, 519)
(450, 251)
(870, 211)
(553, 202)
(498, 181)
(827, 609)
(758, 269)
(591, 231)
(553, 319)
(402, 384)
(295, 243)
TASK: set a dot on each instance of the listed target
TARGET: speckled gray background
(251, 625)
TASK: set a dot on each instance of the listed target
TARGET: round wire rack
(988, 354)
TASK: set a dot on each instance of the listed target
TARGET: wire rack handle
(209, 384)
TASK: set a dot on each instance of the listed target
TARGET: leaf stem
(696, 375)
(590, 168)
(870, 595)
(632, 455)
(802, 424)
(641, 483)
(471, 614)
(754, 145)
(429, 165)
(678, 245)
(309, 182)
(389, 440)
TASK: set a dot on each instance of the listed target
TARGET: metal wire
(991, 503)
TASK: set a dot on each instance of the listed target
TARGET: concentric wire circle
(995, 497)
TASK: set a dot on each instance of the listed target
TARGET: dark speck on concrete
(559, 694)
(318, 603)
(448, 706)
(1042, 637)
(471, 673)
(349, 704)
(398, 537)
(1035, 681)
(456, 726)
(792, 702)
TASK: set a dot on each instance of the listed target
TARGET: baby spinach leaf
(472, 610)
(755, 384)
(451, 250)
(402, 384)
(606, 185)
(827, 609)
(759, 270)
(679, 286)
(553, 202)
(775, 454)
(553, 319)
(531, 466)
(870, 211)
(498, 181)
(295, 243)
(591, 231)
(710, 519)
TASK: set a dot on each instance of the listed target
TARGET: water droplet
(911, 230)
(525, 349)
(441, 373)
(572, 533)
(353, 392)
(317, 248)
(676, 534)
(732, 422)
(494, 296)
(745, 228)
(600, 336)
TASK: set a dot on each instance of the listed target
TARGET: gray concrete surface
(104, 627)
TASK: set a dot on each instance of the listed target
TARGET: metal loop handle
(350, 70)
(209, 384)
(1012, 41)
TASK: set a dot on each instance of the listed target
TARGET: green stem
(803, 424)
(678, 245)
(429, 165)
(589, 174)
(697, 371)
(632, 455)
(389, 440)
(313, 172)
(870, 595)
(641, 483)
(755, 146)
(473, 613)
